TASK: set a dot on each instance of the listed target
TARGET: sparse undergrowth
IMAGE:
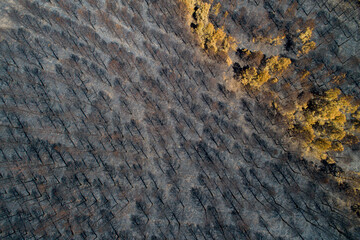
(275, 41)
(322, 122)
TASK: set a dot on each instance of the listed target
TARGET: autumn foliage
(214, 40)
(271, 68)
(306, 44)
(325, 121)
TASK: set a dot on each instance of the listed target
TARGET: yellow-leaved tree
(307, 44)
(214, 40)
(273, 68)
(325, 121)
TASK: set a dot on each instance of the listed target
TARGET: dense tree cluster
(260, 69)
(325, 120)
(214, 40)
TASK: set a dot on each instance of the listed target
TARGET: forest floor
(114, 124)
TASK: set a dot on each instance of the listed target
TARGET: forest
(180, 119)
